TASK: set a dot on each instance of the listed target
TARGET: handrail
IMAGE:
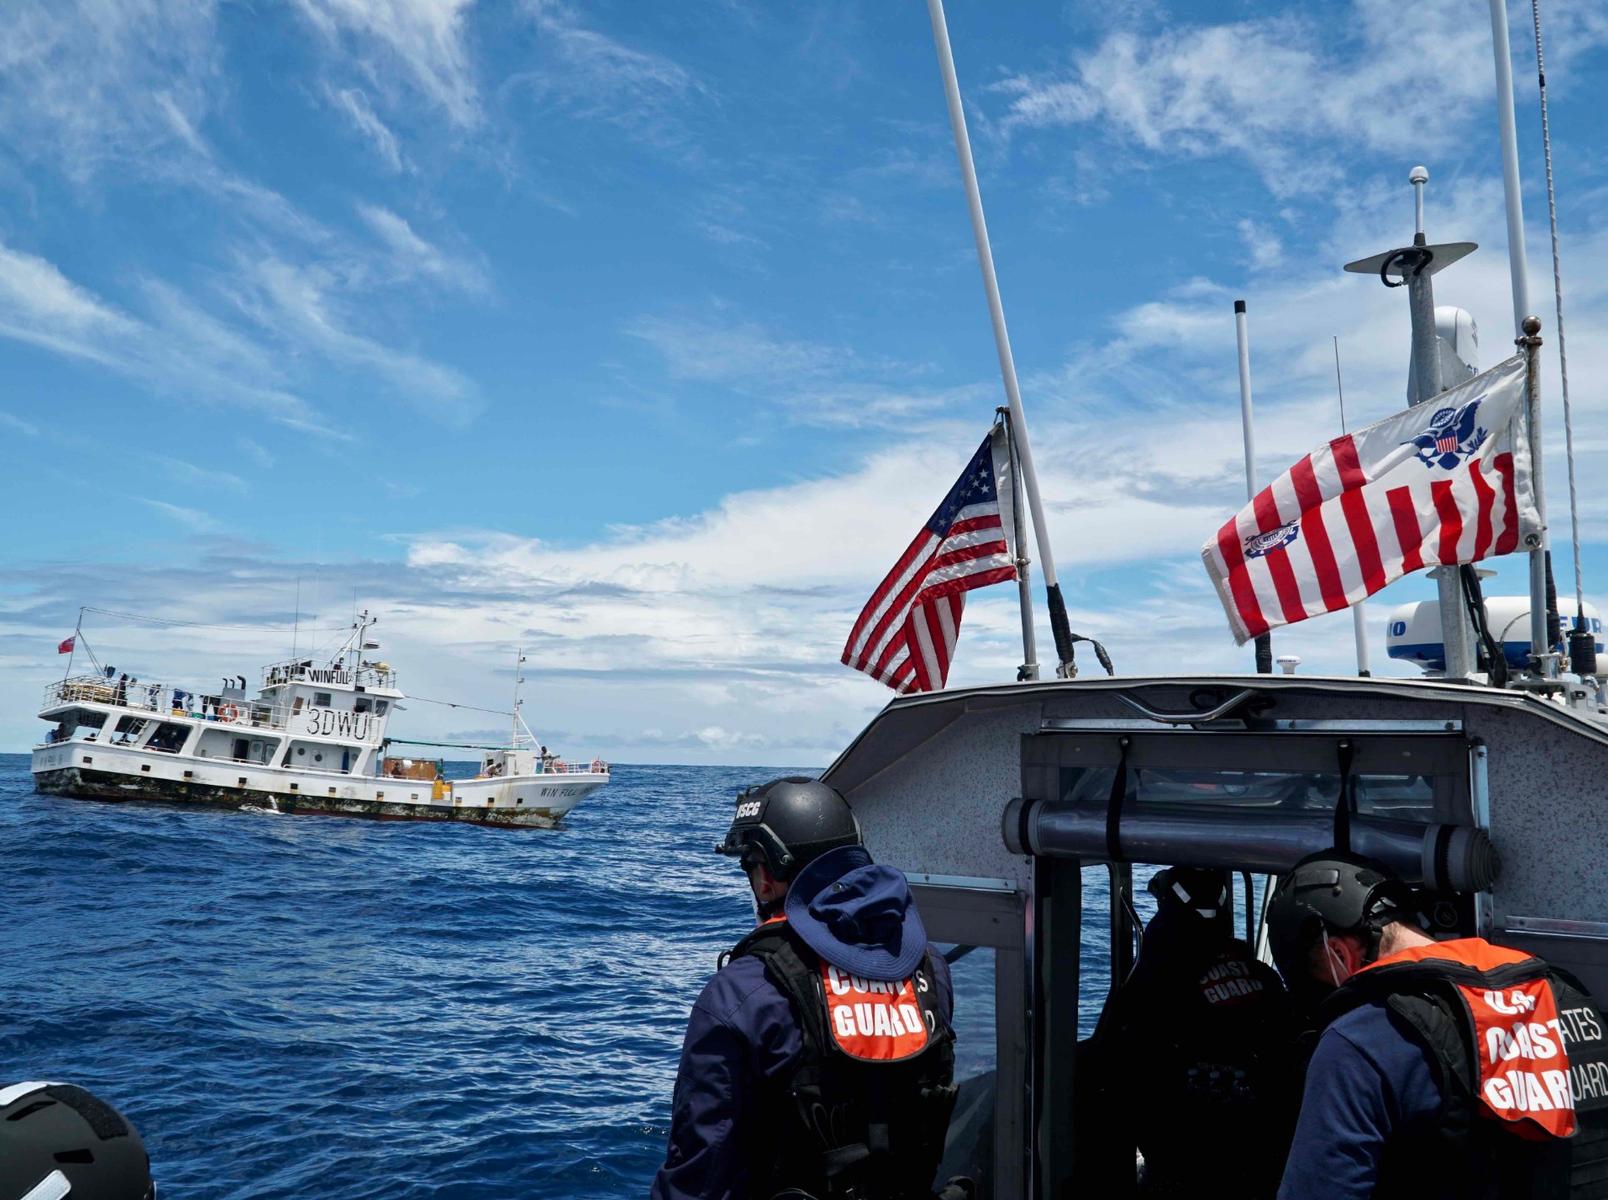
(155, 701)
(1186, 717)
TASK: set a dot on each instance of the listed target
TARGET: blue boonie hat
(857, 915)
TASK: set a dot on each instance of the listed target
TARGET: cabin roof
(908, 721)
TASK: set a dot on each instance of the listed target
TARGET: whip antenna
(1557, 298)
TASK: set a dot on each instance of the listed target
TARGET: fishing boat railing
(596, 767)
(158, 700)
(369, 674)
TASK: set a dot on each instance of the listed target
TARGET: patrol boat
(1020, 811)
(311, 740)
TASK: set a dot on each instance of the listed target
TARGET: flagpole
(1024, 584)
(72, 650)
(1542, 656)
(1242, 334)
(1518, 266)
(1359, 610)
(1007, 363)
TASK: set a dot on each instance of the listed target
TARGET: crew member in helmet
(1443, 1068)
(1192, 1054)
(57, 1140)
(819, 1059)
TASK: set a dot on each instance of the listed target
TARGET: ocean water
(318, 1006)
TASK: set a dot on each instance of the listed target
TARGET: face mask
(1337, 966)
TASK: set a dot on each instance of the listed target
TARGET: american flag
(905, 635)
(1363, 510)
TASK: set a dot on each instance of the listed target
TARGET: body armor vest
(1518, 1050)
(863, 1113)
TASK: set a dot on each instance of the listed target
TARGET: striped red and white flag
(1445, 482)
(905, 635)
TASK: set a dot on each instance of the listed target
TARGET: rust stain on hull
(77, 783)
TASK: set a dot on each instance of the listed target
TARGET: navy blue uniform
(1367, 1082)
(742, 1031)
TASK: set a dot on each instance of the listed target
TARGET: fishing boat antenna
(1582, 642)
(1242, 334)
(519, 683)
(1359, 610)
(1064, 637)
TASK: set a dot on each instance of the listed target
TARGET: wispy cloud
(419, 42)
(811, 383)
(17, 425)
(588, 74)
(353, 104)
(191, 518)
(412, 257)
(302, 304)
(1288, 93)
(88, 86)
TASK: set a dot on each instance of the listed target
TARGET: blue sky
(646, 335)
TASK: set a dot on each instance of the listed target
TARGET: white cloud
(90, 85)
(302, 304)
(1286, 92)
(588, 74)
(420, 41)
(413, 257)
(353, 104)
(813, 383)
(193, 519)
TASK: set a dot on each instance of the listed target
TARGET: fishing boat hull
(89, 771)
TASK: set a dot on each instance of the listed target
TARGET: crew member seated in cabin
(1440, 1071)
(819, 1059)
(1191, 1059)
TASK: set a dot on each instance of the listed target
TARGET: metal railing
(304, 671)
(596, 767)
(157, 700)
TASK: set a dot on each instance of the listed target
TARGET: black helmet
(1202, 891)
(57, 1140)
(789, 822)
(1333, 890)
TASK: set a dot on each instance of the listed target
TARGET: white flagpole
(1518, 267)
(1519, 270)
(1002, 342)
(1359, 610)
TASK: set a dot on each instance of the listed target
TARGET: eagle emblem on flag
(1451, 437)
(1262, 544)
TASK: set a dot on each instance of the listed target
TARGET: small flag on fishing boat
(905, 635)
(1444, 482)
(66, 647)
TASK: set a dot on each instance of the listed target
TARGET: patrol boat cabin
(1021, 813)
(311, 739)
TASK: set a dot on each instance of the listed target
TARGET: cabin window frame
(992, 914)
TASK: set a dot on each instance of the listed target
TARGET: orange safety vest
(1512, 1014)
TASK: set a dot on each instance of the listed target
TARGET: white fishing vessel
(312, 739)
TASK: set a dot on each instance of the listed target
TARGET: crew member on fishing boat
(1444, 1069)
(819, 1058)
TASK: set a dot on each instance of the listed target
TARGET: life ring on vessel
(228, 712)
(598, 766)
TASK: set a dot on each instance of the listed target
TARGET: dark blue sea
(303, 1006)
